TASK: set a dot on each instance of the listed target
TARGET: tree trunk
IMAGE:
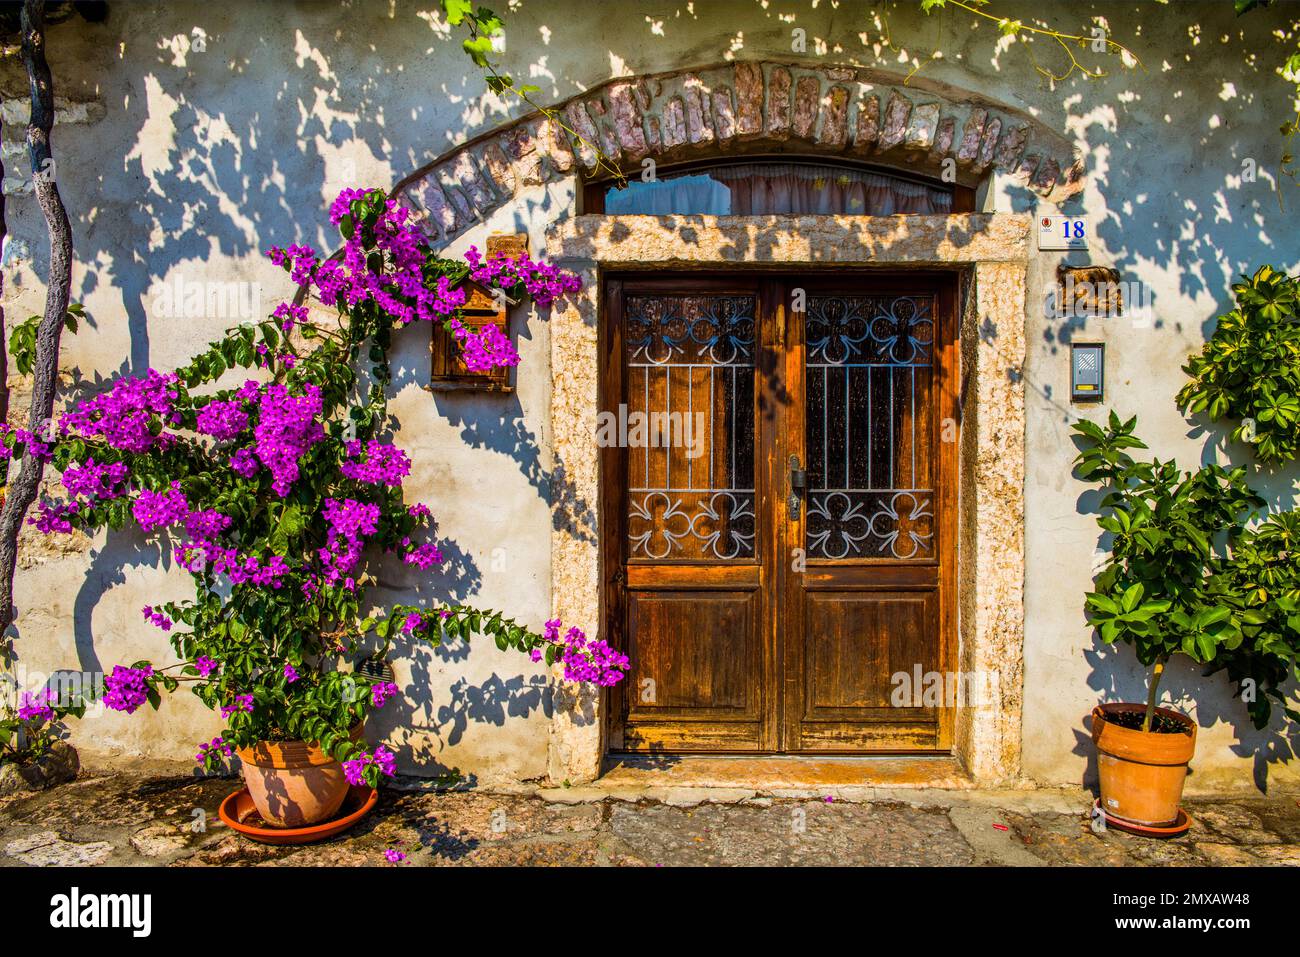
(45, 368)
(4, 332)
(1153, 694)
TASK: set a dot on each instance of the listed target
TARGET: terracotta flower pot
(1142, 772)
(292, 783)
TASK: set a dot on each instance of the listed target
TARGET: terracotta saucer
(238, 812)
(1180, 826)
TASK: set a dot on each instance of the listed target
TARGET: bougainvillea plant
(31, 721)
(283, 496)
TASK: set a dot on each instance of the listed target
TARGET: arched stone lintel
(739, 109)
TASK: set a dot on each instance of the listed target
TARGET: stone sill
(770, 773)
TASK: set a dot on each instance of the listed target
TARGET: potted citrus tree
(283, 499)
(1163, 592)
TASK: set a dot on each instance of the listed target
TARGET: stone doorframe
(990, 250)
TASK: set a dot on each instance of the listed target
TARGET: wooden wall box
(448, 372)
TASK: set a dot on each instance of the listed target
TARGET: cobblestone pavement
(129, 819)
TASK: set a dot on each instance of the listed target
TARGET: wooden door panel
(864, 574)
(856, 642)
(901, 735)
(674, 577)
(695, 655)
(725, 737)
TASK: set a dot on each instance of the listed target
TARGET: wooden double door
(779, 458)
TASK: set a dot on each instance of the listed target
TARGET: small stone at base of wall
(59, 766)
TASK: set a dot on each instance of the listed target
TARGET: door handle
(798, 484)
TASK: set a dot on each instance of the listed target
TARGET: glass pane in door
(870, 380)
(689, 420)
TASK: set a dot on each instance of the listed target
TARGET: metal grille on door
(690, 389)
(869, 373)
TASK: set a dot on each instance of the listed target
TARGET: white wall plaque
(1063, 232)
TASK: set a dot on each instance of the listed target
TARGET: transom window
(777, 187)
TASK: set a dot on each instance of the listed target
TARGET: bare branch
(22, 491)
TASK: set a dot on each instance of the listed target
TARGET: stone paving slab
(134, 819)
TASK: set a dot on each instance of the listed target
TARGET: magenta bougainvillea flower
(590, 661)
(245, 463)
(16, 440)
(210, 558)
(367, 766)
(130, 415)
(93, 482)
(243, 704)
(214, 750)
(222, 420)
(127, 688)
(206, 524)
(53, 517)
(348, 523)
(288, 425)
(424, 556)
(488, 348)
(157, 618)
(380, 465)
(289, 315)
(542, 282)
(35, 706)
(158, 509)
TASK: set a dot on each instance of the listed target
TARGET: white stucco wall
(189, 163)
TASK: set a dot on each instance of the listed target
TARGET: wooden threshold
(780, 772)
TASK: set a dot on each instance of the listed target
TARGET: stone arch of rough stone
(738, 109)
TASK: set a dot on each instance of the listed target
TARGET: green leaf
(478, 49)
(1213, 616)
(1104, 604)
(457, 10)
(1132, 597)
(1149, 610)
